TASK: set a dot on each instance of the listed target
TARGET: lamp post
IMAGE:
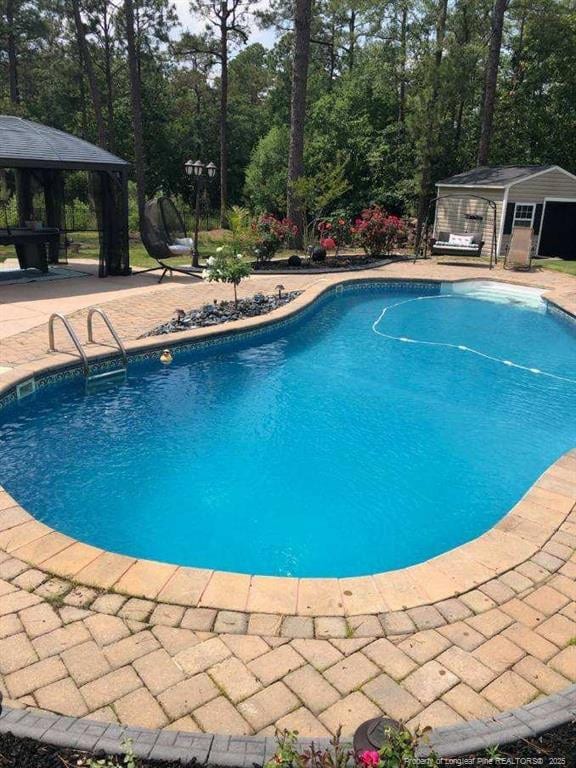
(198, 173)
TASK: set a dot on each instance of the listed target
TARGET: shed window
(523, 215)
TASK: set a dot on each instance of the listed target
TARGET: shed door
(558, 237)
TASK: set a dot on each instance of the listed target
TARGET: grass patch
(207, 244)
(558, 265)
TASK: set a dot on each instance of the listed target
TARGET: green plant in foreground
(401, 747)
(227, 267)
(400, 750)
(493, 753)
(337, 755)
(128, 759)
(286, 755)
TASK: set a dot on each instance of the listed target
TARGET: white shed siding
(550, 184)
(451, 211)
(553, 183)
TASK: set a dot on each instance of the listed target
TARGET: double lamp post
(198, 173)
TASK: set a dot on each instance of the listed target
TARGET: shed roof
(497, 176)
(24, 143)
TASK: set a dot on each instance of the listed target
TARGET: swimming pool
(326, 447)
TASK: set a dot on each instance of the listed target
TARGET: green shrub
(227, 267)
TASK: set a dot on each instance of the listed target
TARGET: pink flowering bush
(329, 243)
(270, 234)
(334, 232)
(378, 231)
(369, 758)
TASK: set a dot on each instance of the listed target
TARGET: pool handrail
(72, 333)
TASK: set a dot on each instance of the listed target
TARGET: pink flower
(369, 758)
(328, 242)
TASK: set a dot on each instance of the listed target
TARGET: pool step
(501, 293)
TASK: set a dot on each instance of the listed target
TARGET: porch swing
(467, 241)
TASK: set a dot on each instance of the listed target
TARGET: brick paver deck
(153, 661)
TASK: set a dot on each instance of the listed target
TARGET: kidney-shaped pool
(336, 445)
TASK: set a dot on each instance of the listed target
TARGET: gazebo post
(111, 199)
(123, 234)
(24, 197)
(53, 185)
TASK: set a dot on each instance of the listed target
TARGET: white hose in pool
(460, 347)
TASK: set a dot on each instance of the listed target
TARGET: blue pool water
(317, 449)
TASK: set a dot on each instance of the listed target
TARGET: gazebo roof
(26, 144)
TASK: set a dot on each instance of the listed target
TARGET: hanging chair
(164, 237)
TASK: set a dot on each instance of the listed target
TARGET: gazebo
(39, 156)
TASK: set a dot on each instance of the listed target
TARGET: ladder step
(107, 374)
(114, 376)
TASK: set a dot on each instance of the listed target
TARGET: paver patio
(143, 658)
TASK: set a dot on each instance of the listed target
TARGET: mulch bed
(342, 261)
(222, 312)
(555, 748)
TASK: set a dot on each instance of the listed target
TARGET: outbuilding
(542, 197)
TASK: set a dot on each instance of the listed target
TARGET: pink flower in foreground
(369, 758)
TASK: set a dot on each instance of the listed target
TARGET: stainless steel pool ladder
(80, 349)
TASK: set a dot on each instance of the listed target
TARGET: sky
(193, 24)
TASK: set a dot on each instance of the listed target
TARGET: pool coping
(517, 537)
(246, 751)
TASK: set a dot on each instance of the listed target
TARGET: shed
(542, 197)
(40, 155)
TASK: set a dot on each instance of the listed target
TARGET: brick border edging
(243, 751)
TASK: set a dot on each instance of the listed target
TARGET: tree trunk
(136, 103)
(351, 40)
(86, 59)
(224, 115)
(459, 117)
(458, 130)
(402, 84)
(302, 21)
(431, 128)
(12, 57)
(108, 56)
(491, 81)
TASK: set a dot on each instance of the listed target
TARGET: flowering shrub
(399, 750)
(329, 243)
(377, 231)
(369, 758)
(270, 233)
(227, 267)
(334, 232)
